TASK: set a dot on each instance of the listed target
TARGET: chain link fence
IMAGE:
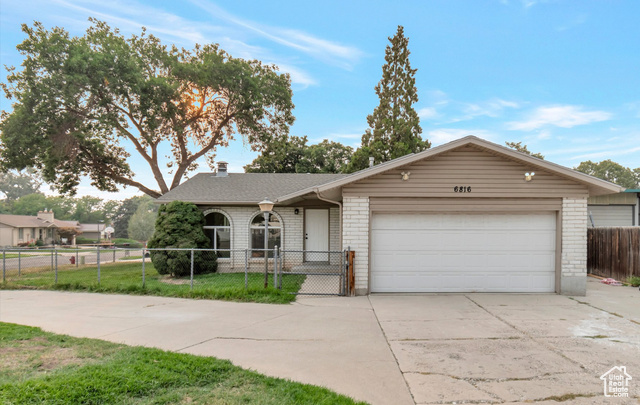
(197, 271)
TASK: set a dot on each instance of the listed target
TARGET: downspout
(332, 202)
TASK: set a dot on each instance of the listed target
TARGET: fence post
(246, 269)
(280, 265)
(191, 269)
(275, 266)
(98, 261)
(77, 256)
(19, 262)
(56, 254)
(144, 256)
(4, 265)
(114, 254)
(52, 260)
(351, 273)
(343, 274)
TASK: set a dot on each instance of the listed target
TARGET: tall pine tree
(394, 127)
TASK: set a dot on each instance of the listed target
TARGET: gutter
(339, 204)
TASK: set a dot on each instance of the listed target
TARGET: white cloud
(564, 116)
(427, 113)
(319, 48)
(606, 154)
(131, 16)
(490, 108)
(445, 135)
(298, 76)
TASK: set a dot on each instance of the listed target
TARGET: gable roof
(24, 221)
(596, 186)
(243, 188)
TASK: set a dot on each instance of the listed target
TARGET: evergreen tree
(394, 127)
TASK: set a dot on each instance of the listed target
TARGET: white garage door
(463, 252)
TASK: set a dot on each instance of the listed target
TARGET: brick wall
(355, 234)
(240, 219)
(574, 246)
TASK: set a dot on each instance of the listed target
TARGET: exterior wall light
(529, 176)
(405, 176)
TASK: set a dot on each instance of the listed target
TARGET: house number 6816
(462, 189)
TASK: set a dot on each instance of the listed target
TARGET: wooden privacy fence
(614, 252)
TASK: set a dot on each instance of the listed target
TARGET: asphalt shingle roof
(249, 188)
(27, 221)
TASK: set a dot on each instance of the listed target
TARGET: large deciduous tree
(143, 222)
(291, 154)
(394, 127)
(18, 184)
(613, 172)
(124, 212)
(523, 148)
(82, 105)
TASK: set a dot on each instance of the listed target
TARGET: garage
(466, 216)
(456, 252)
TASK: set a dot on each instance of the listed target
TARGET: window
(257, 234)
(21, 233)
(218, 229)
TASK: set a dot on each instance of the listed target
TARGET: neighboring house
(92, 231)
(24, 229)
(621, 209)
(468, 216)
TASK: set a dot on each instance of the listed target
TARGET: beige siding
(611, 215)
(620, 198)
(386, 204)
(487, 175)
(6, 235)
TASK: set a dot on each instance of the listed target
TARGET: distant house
(24, 229)
(620, 209)
(92, 231)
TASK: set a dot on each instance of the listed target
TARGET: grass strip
(41, 367)
(126, 278)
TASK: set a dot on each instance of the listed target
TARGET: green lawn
(130, 258)
(123, 277)
(22, 255)
(40, 367)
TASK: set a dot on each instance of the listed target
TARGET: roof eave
(586, 179)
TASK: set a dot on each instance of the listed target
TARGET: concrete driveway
(384, 349)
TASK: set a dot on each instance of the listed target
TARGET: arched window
(218, 228)
(257, 234)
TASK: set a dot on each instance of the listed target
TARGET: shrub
(179, 225)
(39, 242)
(132, 243)
(84, 241)
(634, 281)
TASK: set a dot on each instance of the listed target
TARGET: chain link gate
(324, 272)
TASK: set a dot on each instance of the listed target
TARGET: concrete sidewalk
(331, 342)
(383, 349)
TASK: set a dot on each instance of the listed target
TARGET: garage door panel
(463, 252)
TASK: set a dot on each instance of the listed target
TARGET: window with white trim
(257, 234)
(218, 229)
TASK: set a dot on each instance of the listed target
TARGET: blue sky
(561, 76)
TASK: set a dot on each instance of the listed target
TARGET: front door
(316, 235)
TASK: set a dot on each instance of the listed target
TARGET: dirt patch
(174, 281)
(31, 354)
